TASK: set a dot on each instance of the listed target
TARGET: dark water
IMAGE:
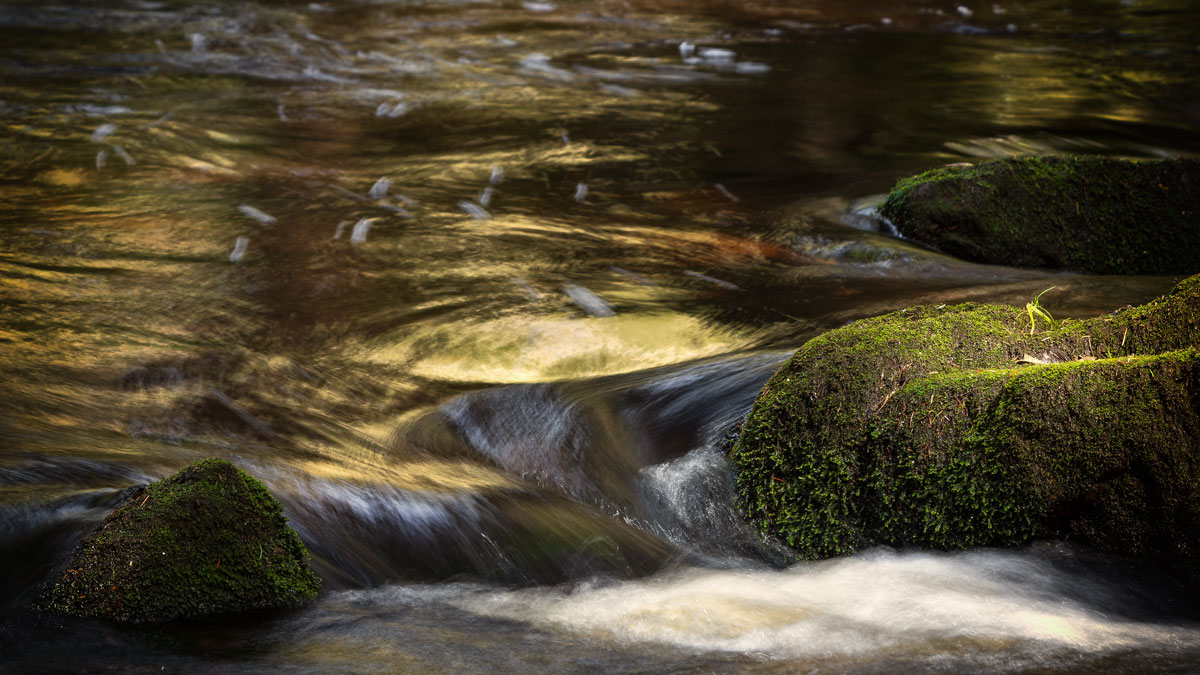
(476, 288)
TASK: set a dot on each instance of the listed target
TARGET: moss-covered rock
(969, 425)
(1088, 214)
(207, 540)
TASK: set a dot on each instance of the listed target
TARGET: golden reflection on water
(521, 349)
(129, 338)
(111, 269)
(418, 476)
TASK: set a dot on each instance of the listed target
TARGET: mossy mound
(1088, 214)
(951, 427)
(207, 540)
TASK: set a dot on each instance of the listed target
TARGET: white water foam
(879, 603)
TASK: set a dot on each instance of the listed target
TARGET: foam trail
(394, 209)
(341, 227)
(158, 122)
(540, 63)
(581, 192)
(264, 218)
(380, 189)
(617, 90)
(474, 210)
(120, 152)
(633, 275)
(717, 56)
(1003, 607)
(725, 191)
(199, 43)
(711, 280)
(347, 193)
(239, 249)
(359, 234)
(539, 6)
(102, 132)
(589, 301)
(751, 68)
(392, 111)
(686, 49)
(528, 288)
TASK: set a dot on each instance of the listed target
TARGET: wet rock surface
(973, 425)
(208, 540)
(1086, 214)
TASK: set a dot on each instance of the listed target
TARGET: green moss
(208, 540)
(1088, 214)
(929, 427)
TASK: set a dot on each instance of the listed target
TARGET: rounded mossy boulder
(207, 540)
(1088, 214)
(979, 425)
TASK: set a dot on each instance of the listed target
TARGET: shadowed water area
(476, 289)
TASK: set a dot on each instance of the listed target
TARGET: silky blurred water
(477, 287)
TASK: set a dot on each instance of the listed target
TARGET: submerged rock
(970, 425)
(1088, 214)
(207, 540)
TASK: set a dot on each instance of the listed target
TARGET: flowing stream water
(477, 287)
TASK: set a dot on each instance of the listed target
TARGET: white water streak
(261, 217)
(474, 210)
(725, 191)
(120, 152)
(392, 111)
(712, 280)
(380, 189)
(239, 249)
(359, 234)
(589, 301)
(103, 131)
